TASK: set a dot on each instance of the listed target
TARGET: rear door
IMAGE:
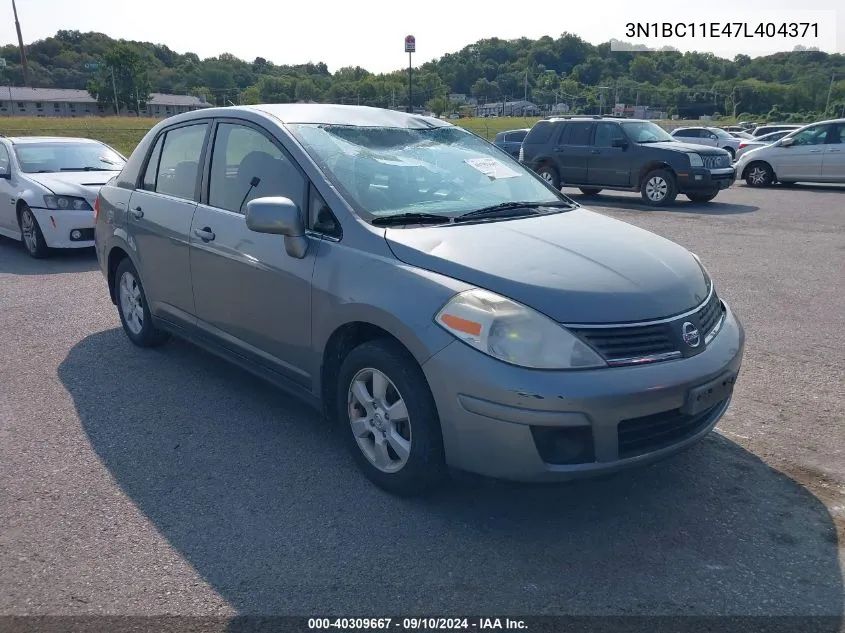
(609, 165)
(251, 296)
(833, 162)
(690, 135)
(573, 152)
(159, 219)
(8, 194)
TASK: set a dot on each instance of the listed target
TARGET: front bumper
(702, 179)
(58, 224)
(495, 416)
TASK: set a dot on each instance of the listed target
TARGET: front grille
(716, 162)
(710, 314)
(638, 436)
(629, 342)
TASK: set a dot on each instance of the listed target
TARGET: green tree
(438, 105)
(124, 77)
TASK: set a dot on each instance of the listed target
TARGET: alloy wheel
(131, 303)
(379, 419)
(656, 188)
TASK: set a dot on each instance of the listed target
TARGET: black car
(595, 153)
(511, 140)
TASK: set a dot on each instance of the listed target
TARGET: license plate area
(709, 394)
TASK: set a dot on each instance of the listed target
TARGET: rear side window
(540, 133)
(152, 166)
(178, 161)
(580, 134)
(516, 137)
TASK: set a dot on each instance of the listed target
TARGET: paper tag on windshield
(492, 168)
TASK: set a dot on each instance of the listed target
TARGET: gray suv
(439, 301)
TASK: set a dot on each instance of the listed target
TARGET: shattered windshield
(444, 170)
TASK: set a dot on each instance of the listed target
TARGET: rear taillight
(97, 207)
(741, 145)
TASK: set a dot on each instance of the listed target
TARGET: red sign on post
(410, 44)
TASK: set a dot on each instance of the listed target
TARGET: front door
(833, 161)
(803, 159)
(159, 216)
(251, 296)
(8, 195)
(609, 165)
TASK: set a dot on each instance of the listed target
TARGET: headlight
(513, 333)
(695, 160)
(66, 202)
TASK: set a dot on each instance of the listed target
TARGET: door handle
(815, 151)
(834, 150)
(205, 234)
(137, 212)
(595, 151)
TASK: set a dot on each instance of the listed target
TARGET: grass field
(124, 133)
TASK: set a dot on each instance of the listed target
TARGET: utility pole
(24, 66)
(829, 93)
(525, 98)
(114, 87)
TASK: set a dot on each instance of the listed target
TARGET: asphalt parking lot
(167, 482)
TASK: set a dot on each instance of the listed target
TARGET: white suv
(813, 153)
(48, 187)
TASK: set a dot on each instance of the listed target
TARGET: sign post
(410, 48)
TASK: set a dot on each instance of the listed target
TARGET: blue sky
(370, 33)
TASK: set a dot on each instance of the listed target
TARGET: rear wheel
(133, 308)
(550, 175)
(390, 419)
(590, 191)
(33, 238)
(658, 188)
(732, 152)
(759, 175)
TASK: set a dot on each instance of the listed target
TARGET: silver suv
(441, 302)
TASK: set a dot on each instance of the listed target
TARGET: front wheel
(393, 428)
(33, 238)
(759, 175)
(590, 191)
(658, 188)
(702, 197)
(550, 175)
(133, 308)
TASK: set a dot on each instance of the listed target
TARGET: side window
(4, 159)
(320, 217)
(179, 164)
(837, 137)
(245, 165)
(580, 134)
(816, 135)
(151, 172)
(564, 134)
(606, 133)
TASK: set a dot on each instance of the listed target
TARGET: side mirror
(786, 142)
(279, 216)
(620, 142)
(5, 174)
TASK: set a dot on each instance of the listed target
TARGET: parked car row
(445, 305)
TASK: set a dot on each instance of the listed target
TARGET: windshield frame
(628, 125)
(17, 148)
(557, 201)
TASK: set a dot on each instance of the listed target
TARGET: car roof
(323, 113)
(23, 140)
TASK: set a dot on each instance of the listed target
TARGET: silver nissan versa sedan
(438, 300)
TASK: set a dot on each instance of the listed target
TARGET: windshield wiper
(411, 218)
(85, 169)
(656, 140)
(511, 209)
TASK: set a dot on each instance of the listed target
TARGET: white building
(60, 102)
(508, 108)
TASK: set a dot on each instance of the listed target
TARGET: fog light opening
(76, 234)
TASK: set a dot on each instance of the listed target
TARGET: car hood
(575, 267)
(84, 184)
(687, 148)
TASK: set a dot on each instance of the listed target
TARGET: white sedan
(48, 187)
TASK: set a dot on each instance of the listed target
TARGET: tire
(420, 468)
(31, 235)
(702, 197)
(658, 188)
(589, 191)
(759, 175)
(550, 175)
(133, 308)
(731, 151)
